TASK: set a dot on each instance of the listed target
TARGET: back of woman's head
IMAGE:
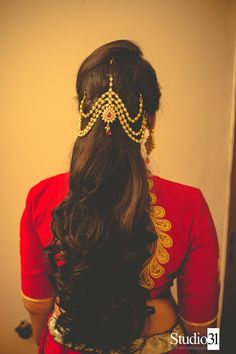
(101, 225)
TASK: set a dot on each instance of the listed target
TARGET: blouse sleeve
(198, 280)
(35, 284)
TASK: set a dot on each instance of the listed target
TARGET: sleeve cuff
(198, 323)
(36, 300)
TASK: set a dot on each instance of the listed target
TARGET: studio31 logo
(212, 339)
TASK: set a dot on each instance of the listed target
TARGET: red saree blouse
(186, 248)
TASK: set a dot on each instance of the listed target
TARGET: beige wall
(191, 45)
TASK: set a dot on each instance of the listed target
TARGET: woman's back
(182, 221)
(108, 238)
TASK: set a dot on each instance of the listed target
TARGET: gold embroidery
(150, 183)
(153, 266)
(153, 198)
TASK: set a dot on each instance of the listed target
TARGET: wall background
(191, 45)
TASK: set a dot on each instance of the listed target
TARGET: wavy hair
(100, 230)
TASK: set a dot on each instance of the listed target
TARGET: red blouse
(186, 248)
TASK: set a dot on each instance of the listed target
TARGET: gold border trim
(150, 183)
(153, 267)
(198, 323)
(36, 300)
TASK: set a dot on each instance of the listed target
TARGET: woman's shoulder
(51, 181)
(176, 192)
(173, 186)
(50, 188)
(56, 187)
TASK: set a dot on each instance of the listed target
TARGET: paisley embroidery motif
(153, 266)
(153, 198)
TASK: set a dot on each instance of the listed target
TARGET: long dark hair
(100, 228)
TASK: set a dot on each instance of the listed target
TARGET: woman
(102, 243)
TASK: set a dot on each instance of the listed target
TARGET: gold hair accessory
(108, 107)
(149, 144)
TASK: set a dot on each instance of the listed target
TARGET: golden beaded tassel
(109, 107)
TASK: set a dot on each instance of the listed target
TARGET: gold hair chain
(150, 142)
(109, 107)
